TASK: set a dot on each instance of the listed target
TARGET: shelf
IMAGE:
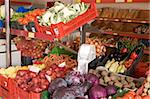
(24, 33)
(146, 51)
(17, 2)
(116, 1)
(123, 20)
(129, 34)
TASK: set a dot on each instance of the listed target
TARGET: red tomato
(128, 96)
(124, 50)
(133, 55)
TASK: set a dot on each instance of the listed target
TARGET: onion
(91, 78)
(111, 90)
(97, 92)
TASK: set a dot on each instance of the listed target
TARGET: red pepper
(128, 63)
(124, 50)
(133, 55)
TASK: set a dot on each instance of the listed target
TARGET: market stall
(75, 50)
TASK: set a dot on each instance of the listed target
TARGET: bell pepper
(133, 55)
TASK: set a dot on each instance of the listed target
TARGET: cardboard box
(16, 58)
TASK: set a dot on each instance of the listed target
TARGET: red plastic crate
(7, 88)
(35, 95)
(5, 82)
(62, 29)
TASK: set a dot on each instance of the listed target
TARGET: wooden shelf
(123, 20)
(129, 34)
(147, 52)
(116, 1)
(17, 2)
(24, 33)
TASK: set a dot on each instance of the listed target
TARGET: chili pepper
(133, 55)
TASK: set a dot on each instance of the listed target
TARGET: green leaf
(45, 95)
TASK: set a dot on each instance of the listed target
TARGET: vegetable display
(108, 78)
(31, 48)
(115, 66)
(61, 61)
(30, 81)
(2, 12)
(62, 13)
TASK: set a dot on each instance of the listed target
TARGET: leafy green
(58, 51)
(120, 93)
(45, 95)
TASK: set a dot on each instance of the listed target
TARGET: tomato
(128, 96)
(138, 97)
(133, 55)
(124, 50)
(31, 18)
(132, 92)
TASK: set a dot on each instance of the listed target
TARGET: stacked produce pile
(11, 72)
(61, 60)
(122, 58)
(30, 16)
(39, 81)
(62, 13)
(108, 78)
(31, 48)
(31, 81)
(94, 85)
(99, 44)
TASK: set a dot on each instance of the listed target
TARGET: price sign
(31, 34)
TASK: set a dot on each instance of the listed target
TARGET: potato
(118, 84)
(107, 79)
(147, 85)
(145, 90)
(104, 73)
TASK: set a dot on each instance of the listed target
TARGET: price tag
(48, 32)
(129, 20)
(98, 1)
(31, 34)
(116, 19)
(119, 0)
(129, 0)
(56, 31)
(100, 18)
(4, 30)
(115, 33)
(143, 21)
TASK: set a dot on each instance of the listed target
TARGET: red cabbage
(97, 92)
(111, 90)
(91, 78)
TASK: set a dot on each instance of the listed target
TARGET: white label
(48, 32)
(34, 69)
(56, 31)
(119, 0)
(62, 64)
(48, 78)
